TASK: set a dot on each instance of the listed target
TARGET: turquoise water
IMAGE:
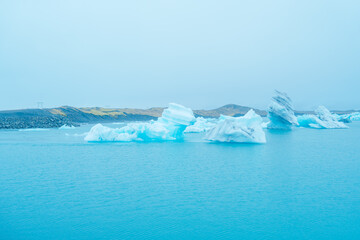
(303, 184)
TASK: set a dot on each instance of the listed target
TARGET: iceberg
(33, 129)
(246, 129)
(170, 126)
(201, 125)
(65, 127)
(322, 120)
(281, 112)
(345, 118)
(355, 116)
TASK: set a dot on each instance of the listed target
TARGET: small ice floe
(34, 130)
(66, 127)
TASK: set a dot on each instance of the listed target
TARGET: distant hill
(56, 117)
(229, 109)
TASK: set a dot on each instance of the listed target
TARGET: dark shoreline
(71, 116)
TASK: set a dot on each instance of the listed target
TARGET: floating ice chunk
(99, 133)
(65, 127)
(33, 129)
(77, 134)
(325, 115)
(342, 118)
(327, 119)
(170, 126)
(281, 112)
(201, 125)
(355, 116)
(323, 119)
(245, 129)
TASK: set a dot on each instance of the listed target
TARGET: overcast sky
(202, 54)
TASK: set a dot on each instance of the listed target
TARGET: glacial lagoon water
(303, 184)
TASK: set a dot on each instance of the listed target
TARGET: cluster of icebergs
(170, 126)
(177, 120)
(281, 116)
(322, 119)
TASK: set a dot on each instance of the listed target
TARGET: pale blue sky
(202, 54)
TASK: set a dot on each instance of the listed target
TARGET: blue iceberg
(281, 112)
(345, 118)
(201, 125)
(170, 126)
(355, 116)
(67, 127)
(246, 129)
(322, 120)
